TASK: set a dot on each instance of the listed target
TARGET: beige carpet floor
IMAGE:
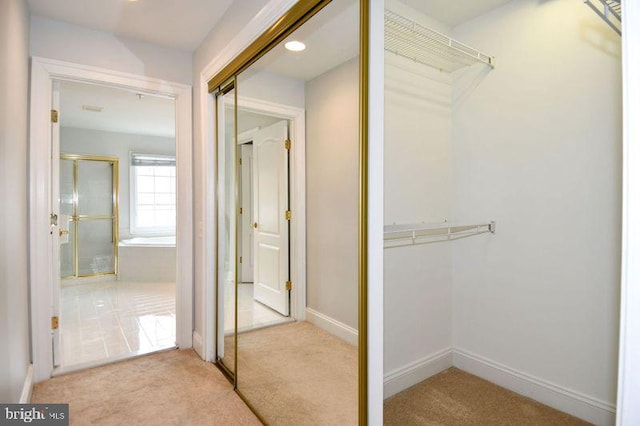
(454, 397)
(298, 374)
(168, 388)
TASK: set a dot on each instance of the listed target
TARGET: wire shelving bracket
(609, 10)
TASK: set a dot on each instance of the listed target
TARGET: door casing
(205, 345)
(245, 234)
(43, 72)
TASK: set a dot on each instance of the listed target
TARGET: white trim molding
(579, 405)
(375, 210)
(333, 326)
(417, 371)
(43, 72)
(629, 355)
(197, 344)
(27, 388)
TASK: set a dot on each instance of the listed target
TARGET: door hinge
(54, 116)
(54, 323)
(287, 144)
(240, 160)
(288, 285)
(240, 259)
(240, 210)
(287, 215)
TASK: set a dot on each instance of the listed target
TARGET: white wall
(418, 188)
(14, 78)
(332, 193)
(271, 87)
(72, 43)
(97, 142)
(537, 147)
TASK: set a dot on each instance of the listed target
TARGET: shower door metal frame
(76, 218)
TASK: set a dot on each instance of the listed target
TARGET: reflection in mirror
(227, 303)
(298, 120)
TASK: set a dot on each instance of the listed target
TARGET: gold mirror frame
(295, 17)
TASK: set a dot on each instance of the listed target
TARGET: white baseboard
(197, 345)
(338, 329)
(582, 406)
(25, 397)
(412, 374)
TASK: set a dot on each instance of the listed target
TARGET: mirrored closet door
(288, 138)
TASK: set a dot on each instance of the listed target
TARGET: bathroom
(117, 192)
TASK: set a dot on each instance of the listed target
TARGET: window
(153, 194)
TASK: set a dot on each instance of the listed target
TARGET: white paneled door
(271, 224)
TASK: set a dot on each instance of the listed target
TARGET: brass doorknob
(255, 224)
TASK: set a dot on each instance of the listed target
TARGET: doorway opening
(255, 267)
(114, 194)
(264, 244)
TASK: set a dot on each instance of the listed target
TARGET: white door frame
(245, 233)
(296, 116)
(43, 71)
(628, 410)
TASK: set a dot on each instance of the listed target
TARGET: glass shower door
(66, 222)
(91, 184)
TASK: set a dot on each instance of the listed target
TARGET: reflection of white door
(56, 226)
(246, 218)
(270, 205)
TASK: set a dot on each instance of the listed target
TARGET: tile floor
(102, 322)
(105, 321)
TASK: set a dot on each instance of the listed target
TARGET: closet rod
(403, 235)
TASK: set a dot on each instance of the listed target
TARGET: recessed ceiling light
(295, 46)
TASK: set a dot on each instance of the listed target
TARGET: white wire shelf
(610, 11)
(422, 233)
(411, 40)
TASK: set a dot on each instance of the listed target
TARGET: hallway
(170, 388)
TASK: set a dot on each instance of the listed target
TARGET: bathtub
(147, 259)
(149, 241)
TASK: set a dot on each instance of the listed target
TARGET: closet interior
(502, 211)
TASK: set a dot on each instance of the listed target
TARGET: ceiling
(455, 12)
(123, 112)
(179, 24)
(331, 37)
(184, 24)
